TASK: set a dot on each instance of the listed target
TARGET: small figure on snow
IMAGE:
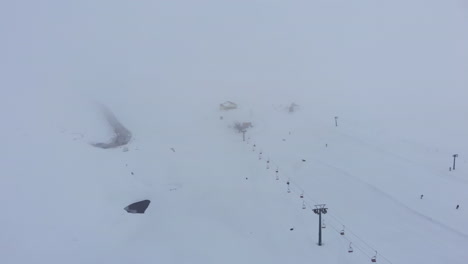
(422, 195)
(458, 206)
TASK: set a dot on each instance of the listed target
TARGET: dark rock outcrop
(138, 207)
(121, 134)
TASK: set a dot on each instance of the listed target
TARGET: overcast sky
(361, 57)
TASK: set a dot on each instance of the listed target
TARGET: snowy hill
(392, 72)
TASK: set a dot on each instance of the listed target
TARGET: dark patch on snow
(121, 134)
(138, 207)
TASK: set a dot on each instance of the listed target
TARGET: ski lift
(302, 195)
(303, 205)
(350, 248)
(342, 231)
(323, 224)
(374, 258)
(289, 190)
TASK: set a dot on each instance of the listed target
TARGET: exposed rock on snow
(138, 207)
(122, 134)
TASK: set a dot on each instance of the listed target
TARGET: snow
(392, 71)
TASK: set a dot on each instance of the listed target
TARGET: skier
(458, 206)
(422, 196)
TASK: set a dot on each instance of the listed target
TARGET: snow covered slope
(214, 201)
(392, 71)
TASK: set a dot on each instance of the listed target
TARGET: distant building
(227, 106)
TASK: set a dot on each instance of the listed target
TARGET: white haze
(395, 69)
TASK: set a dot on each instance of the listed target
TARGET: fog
(386, 67)
(366, 60)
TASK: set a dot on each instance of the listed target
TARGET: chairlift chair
(303, 205)
(374, 258)
(350, 248)
(323, 224)
(342, 231)
(302, 195)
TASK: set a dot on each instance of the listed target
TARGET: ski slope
(394, 72)
(67, 204)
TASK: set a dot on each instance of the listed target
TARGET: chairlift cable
(294, 185)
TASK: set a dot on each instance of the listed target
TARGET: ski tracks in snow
(394, 200)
